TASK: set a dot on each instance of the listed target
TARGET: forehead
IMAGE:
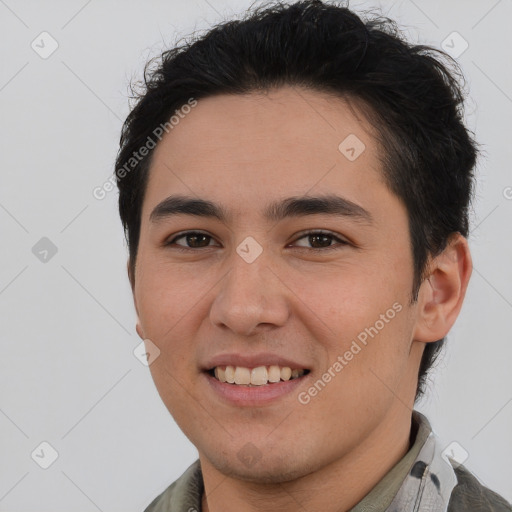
(271, 121)
(245, 148)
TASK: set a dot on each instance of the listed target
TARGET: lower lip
(252, 396)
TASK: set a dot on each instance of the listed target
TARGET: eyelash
(340, 241)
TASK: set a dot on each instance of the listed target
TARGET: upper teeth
(255, 376)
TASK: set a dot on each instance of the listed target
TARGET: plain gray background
(67, 324)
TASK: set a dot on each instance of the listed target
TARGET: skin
(244, 152)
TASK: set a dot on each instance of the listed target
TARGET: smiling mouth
(259, 376)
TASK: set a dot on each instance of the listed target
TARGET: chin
(259, 468)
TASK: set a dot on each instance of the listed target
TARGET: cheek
(167, 297)
(181, 400)
(352, 296)
(366, 314)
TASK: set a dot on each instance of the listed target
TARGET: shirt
(424, 480)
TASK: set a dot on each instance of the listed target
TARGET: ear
(131, 278)
(442, 293)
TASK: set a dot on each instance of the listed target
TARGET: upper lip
(252, 361)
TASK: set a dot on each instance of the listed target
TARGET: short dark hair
(411, 93)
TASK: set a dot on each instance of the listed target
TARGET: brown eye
(193, 240)
(320, 240)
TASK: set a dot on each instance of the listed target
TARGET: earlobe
(442, 293)
(139, 330)
(138, 327)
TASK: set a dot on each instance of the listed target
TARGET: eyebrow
(290, 207)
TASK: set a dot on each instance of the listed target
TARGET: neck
(336, 487)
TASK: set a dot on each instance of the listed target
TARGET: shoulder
(470, 494)
(162, 502)
(182, 495)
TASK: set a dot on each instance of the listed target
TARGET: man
(294, 189)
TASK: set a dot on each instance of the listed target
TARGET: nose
(251, 297)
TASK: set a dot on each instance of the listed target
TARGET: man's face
(306, 302)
